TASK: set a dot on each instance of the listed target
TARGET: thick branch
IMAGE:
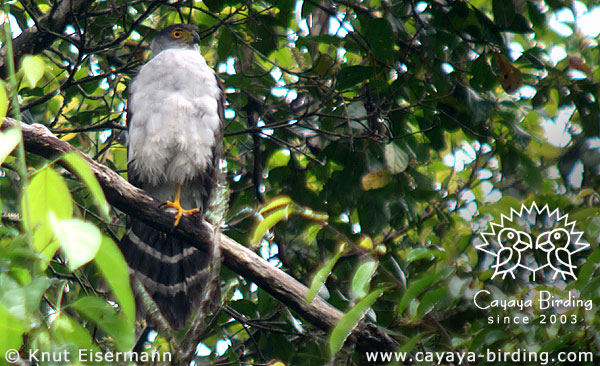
(135, 202)
(40, 36)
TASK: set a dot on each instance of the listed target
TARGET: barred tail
(175, 274)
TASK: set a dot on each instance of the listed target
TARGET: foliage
(395, 131)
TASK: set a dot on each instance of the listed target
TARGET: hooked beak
(523, 243)
(544, 243)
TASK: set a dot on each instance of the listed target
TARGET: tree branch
(135, 202)
(40, 36)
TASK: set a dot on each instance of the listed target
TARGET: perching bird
(555, 244)
(175, 124)
(513, 243)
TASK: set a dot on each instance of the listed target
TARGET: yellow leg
(177, 205)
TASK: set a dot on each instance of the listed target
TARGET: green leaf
(412, 343)
(214, 5)
(365, 243)
(593, 227)
(396, 159)
(79, 240)
(433, 300)
(350, 320)
(279, 158)
(504, 12)
(324, 66)
(483, 76)
(106, 317)
(585, 215)
(380, 37)
(503, 206)
(352, 75)
(226, 43)
(65, 330)
(488, 337)
(283, 57)
(11, 332)
(322, 274)
(588, 268)
(375, 179)
(45, 243)
(276, 203)
(46, 193)
(12, 297)
(362, 278)
(415, 289)
(84, 172)
(535, 14)
(520, 24)
(33, 67)
(22, 302)
(533, 176)
(270, 221)
(111, 263)
(422, 253)
(3, 102)
(322, 217)
(20, 274)
(9, 139)
(541, 97)
(34, 291)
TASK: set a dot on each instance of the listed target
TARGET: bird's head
(549, 240)
(544, 242)
(516, 239)
(176, 36)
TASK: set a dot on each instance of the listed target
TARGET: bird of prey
(512, 245)
(175, 130)
(555, 244)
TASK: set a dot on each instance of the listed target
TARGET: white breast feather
(174, 106)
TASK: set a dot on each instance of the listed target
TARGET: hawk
(175, 131)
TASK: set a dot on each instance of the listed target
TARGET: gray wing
(207, 180)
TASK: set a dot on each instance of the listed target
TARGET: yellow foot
(180, 210)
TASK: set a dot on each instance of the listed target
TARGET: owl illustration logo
(514, 247)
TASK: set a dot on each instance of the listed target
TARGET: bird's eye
(177, 34)
(556, 235)
(511, 235)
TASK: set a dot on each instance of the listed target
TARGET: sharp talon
(180, 210)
